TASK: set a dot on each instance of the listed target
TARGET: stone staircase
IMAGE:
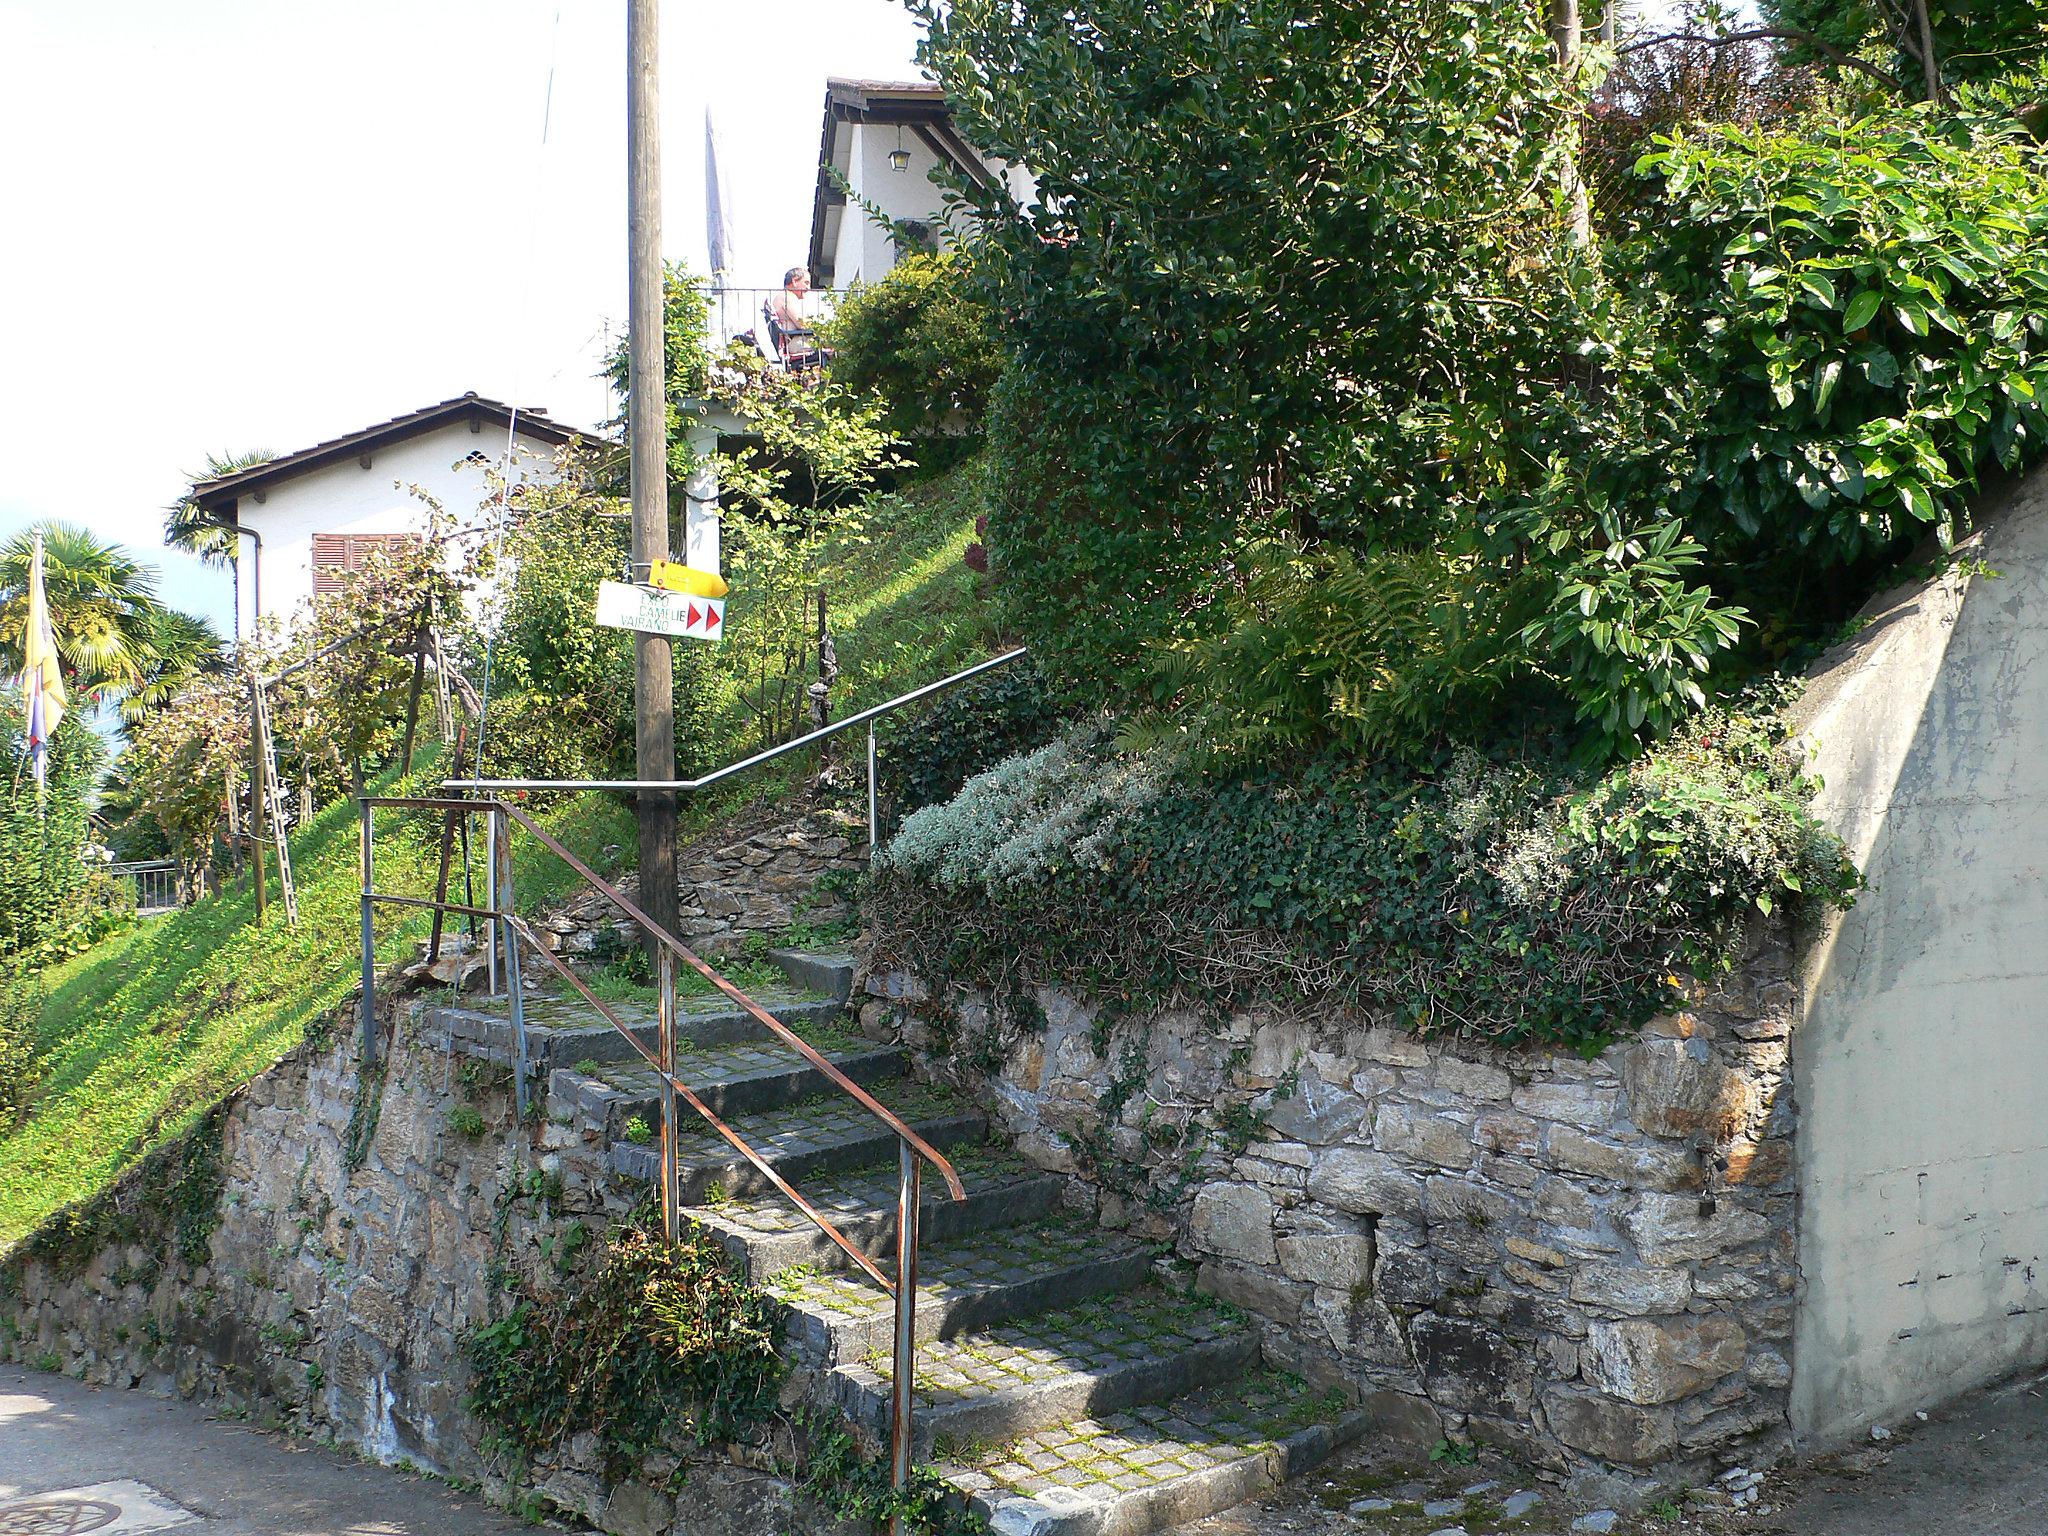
(1070, 1383)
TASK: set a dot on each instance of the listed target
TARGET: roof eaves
(220, 494)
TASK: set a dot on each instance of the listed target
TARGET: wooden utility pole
(654, 698)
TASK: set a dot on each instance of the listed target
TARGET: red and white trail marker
(676, 614)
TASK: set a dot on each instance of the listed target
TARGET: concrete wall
(1922, 1061)
(347, 498)
(865, 251)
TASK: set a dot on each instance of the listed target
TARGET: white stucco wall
(865, 251)
(347, 498)
(1921, 1065)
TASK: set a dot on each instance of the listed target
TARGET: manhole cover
(57, 1517)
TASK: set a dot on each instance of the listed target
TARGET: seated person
(789, 321)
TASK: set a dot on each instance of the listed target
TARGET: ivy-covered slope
(1506, 899)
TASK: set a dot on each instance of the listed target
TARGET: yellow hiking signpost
(674, 576)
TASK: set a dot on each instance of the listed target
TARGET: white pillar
(700, 491)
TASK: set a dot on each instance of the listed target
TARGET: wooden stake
(257, 810)
(419, 677)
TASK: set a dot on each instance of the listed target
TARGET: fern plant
(1377, 652)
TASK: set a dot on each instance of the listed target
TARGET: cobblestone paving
(1147, 1446)
(985, 1262)
(713, 1066)
(845, 1197)
(1094, 1338)
(567, 1009)
(815, 1125)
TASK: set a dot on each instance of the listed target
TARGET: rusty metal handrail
(744, 1147)
(912, 1149)
(782, 1031)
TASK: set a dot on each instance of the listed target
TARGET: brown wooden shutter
(336, 554)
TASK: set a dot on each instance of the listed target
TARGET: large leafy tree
(115, 637)
(1929, 45)
(1312, 273)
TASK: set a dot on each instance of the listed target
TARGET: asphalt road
(56, 1434)
(1978, 1467)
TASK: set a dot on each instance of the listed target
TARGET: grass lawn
(143, 1032)
(139, 1035)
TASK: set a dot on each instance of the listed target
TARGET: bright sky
(237, 224)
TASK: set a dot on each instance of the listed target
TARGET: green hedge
(1859, 316)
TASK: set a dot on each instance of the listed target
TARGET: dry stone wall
(756, 882)
(1590, 1263)
(361, 1233)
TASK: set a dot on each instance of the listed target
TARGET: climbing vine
(652, 1348)
(644, 1346)
(169, 1207)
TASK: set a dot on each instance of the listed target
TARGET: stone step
(817, 971)
(769, 1235)
(735, 1079)
(1087, 1361)
(970, 1283)
(828, 1134)
(562, 1031)
(1155, 1465)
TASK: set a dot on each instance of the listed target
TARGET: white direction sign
(622, 606)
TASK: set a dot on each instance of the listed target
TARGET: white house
(307, 518)
(885, 138)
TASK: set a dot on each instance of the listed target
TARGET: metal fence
(741, 311)
(155, 883)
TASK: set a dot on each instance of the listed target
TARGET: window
(336, 554)
(921, 234)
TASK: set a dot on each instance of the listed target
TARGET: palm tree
(113, 635)
(177, 647)
(184, 524)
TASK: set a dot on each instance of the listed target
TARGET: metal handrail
(913, 1149)
(865, 717)
(781, 1030)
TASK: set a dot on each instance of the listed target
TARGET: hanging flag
(717, 199)
(42, 677)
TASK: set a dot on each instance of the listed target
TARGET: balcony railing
(154, 882)
(734, 313)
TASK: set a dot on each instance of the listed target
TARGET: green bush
(646, 1347)
(52, 903)
(1257, 305)
(1258, 308)
(1859, 318)
(561, 684)
(923, 339)
(964, 731)
(1503, 900)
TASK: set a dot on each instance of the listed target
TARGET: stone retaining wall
(337, 1292)
(1590, 1263)
(758, 882)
